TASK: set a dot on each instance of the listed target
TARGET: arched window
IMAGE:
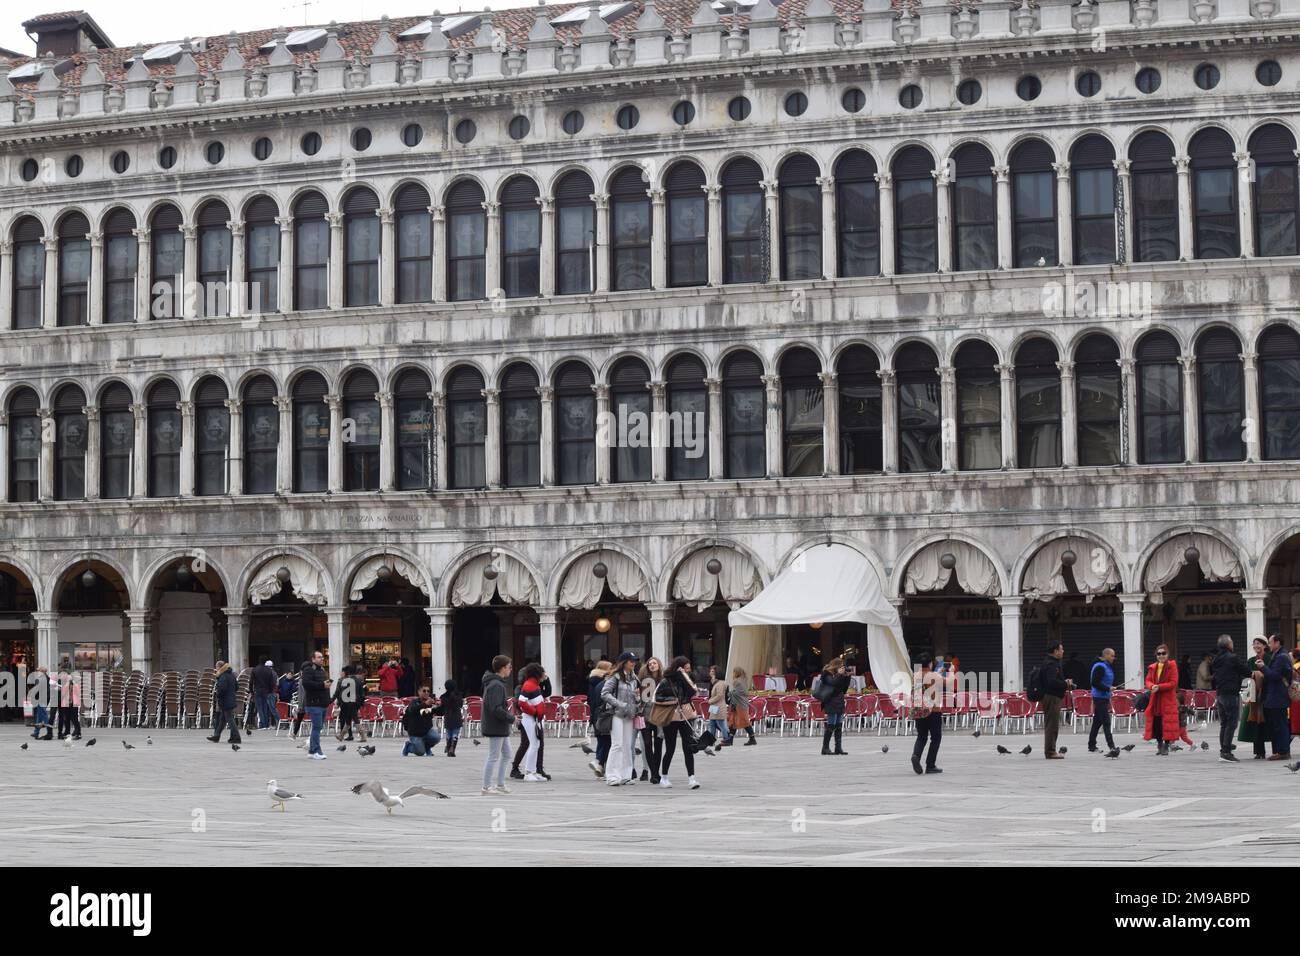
(575, 425)
(688, 226)
(630, 224)
(575, 235)
(167, 278)
(979, 407)
(742, 222)
(116, 442)
(214, 259)
(857, 214)
(1038, 405)
(802, 415)
(261, 436)
(629, 400)
(414, 245)
(801, 219)
(974, 210)
(262, 254)
(24, 446)
(1092, 164)
(361, 242)
(1155, 198)
(212, 437)
(687, 401)
(311, 434)
(467, 429)
(1276, 196)
(361, 414)
(521, 238)
(70, 431)
(121, 259)
(521, 427)
(164, 440)
(744, 415)
(1033, 205)
(916, 228)
(1279, 393)
(1160, 400)
(861, 412)
(1214, 195)
(414, 414)
(311, 253)
(1097, 389)
(74, 270)
(920, 409)
(466, 242)
(29, 273)
(1221, 396)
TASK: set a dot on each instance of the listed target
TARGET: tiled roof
(54, 17)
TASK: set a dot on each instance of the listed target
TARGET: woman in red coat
(1162, 710)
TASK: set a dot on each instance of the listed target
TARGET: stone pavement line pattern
(780, 803)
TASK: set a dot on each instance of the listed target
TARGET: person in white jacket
(621, 696)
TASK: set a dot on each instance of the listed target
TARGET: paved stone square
(778, 803)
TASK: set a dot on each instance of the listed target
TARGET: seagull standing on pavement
(279, 795)
(390, 800)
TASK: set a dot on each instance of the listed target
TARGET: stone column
(139, 459)
(50, 284)
(771, 205)
(141, 624)
(336, 620)
(1007, 394)
(1256, 625)
(492, 446)
(885, 191)
(775, 466)
(95, 284)
(716, 241)
(47, 639)
(6, 284)
(889, 419)
(1124, 227)
(189, 301)
(439, 438)
(1253, 423)
(284, 446)
(830, 246)
(948, 417)
(661, 631)
(546, 287)
(143, 274)
(236, 293)
(237, 624)
(1128, 386)
(284, 270)
(549, 635)
(1069, 416)
(335, 403)
(606, 429)
(1012, 642)
(1003, 176)
(1191, 410)
(659, 240)
(492, 264)
(600, 277)
(92, 452)
(187, 448)
(439, 645)
(943, 215)
(439, 247)
(1245, 204)
(830, 423)
(45, 477)
(717, 460)
(387, 257)
(547, 455)
(659, 431)
(387, 442)
(1186, 222)
(336, 272)
(1133, 662)
(1064, 215)
(235, 448)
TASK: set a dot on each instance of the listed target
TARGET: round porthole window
(572, 122)
(167, 157)
(969, 92)
(1028, 88)
(1088, 83)
(627, 117)
(519, 127)
(466, 131)
(683, 113)
(29, 170)
(361, 139)
(796, 104)
(853, 100)
(738, 109)
(909, 97)
(214, 153)
(311, 143)
(262, 148)
(73, 166)
(1207, 76)
(412, 134)
(1148, 79)
(121, 161)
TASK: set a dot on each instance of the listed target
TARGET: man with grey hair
(1229, 670)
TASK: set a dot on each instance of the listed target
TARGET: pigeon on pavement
(90, 742)
(234, 746)
(279, 795)
(126, 746)
(1028, 750)
(366, 751)
(1204, 745)
(1293, 767)
(1063, 750)
(24, 747)
(1113, 754)
(977, 733)
(389, 799)
(149, 741)
(885, 749)
(1128, 747)
(341, 748)
(1003, 750)
(477, 742)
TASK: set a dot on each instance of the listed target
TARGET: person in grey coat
(497, 720)
(621, 695)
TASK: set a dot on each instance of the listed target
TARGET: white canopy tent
(825, 583)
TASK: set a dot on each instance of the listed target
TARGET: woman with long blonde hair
(652, 737)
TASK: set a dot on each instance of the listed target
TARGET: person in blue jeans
(422, 739)
(718, 709)
(315, 698)
(496, 722)
(40, 697)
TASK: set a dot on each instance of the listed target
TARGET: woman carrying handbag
(652, 737)
(621, 697)
(673, 712)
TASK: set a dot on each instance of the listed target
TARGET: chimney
(63, 34)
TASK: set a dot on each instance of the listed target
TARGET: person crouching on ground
(621, 697)
(417, 721)
(497, 721)
(532, 711)
(831, 689)
(449, 709)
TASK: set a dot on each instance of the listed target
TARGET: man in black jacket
(1055, 687)
(263, 689)
(496, 723)
(1228, 670)
(224, 697)
(418, 724)
(315, 698)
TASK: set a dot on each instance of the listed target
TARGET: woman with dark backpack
(831, 689)
(675, 691)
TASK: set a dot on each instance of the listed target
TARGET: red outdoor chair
(1017, 708)
(473, 714)
(760, 682)
(578, 713)
(1083, 708)
(791, 713)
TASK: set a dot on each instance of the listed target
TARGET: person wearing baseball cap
(265, 694)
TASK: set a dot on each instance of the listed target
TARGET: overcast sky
(131, 21)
